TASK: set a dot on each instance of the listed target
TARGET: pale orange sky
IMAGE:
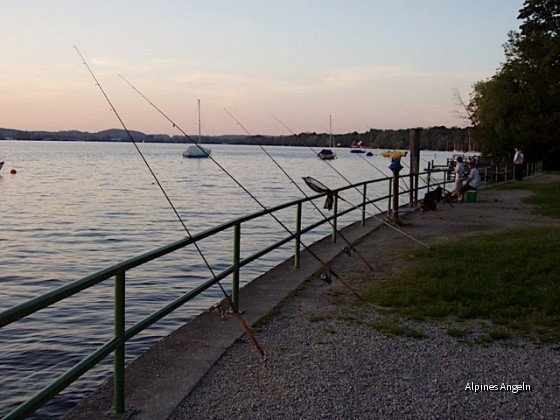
(368, 63)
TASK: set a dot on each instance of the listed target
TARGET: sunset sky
(368, 63)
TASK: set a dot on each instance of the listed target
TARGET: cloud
(351, 76)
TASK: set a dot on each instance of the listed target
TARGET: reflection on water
(76, 208)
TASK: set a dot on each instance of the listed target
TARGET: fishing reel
(326, 277)
(219, 309)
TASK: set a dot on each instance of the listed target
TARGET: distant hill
(70, 135)
(111, 135)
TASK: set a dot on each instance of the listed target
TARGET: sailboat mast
(199, 129)
(330, 130)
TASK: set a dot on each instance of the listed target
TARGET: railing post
(335, 219)
(297, 254)
(395, 216)
(118, 387)
(389, 208)
(236, 259)
(429, 175)
(364, 199)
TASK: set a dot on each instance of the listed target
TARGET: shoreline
(324, 359)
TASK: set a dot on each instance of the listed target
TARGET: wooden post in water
(414, 164)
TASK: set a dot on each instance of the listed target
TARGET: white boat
(470, 155)
(357, 148)
(327, 154)
(196, 150)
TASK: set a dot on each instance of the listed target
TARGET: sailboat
(357, 148)
(327, 154)
(196, 150)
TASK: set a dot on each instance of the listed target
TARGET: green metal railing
(122, 334)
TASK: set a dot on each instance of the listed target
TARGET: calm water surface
(75, 208)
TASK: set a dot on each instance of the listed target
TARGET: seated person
(473, 181)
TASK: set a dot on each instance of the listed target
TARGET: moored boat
(327, 154)
(394, 153)
(196, 150)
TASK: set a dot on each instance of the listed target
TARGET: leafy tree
(520, 104)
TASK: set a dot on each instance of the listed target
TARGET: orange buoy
(13, 171)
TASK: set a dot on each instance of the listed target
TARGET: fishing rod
(354, 206)
(228, 298)
(406, 187)
(428, 176)
(317, 186)
(444, 198)
(328, 163)
(330, 271)
(303, 192)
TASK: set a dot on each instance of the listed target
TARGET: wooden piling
(414, 165)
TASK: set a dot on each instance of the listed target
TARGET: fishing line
(255, 199)
(444, 200)
(429, 172)
(403, 189)
(303, 192)
(228, 298)
(406, 185)
(402, 232)
(332, 167)
(354, 206)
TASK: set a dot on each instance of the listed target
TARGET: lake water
(75, 208)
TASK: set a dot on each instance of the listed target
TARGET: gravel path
(326, 360)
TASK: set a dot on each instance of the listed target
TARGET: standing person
(518, 160)
(459, 178)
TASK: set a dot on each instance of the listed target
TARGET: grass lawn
(514, 280)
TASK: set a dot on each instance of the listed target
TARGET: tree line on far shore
(433, 138)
